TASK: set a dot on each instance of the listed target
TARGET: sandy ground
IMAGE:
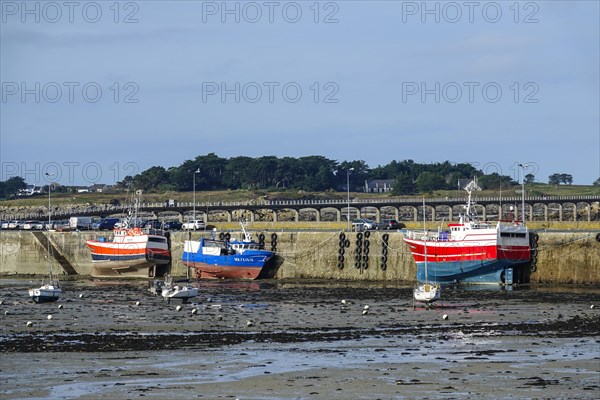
(298, 340)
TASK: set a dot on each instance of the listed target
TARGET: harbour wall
(565, 257)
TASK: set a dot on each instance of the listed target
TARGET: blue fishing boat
(226, 258)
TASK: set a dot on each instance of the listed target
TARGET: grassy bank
(70, 199)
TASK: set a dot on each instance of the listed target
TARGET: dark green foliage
(10, 187)
(557, 179)
(310, 173)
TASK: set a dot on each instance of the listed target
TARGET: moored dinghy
(426, 292)
(46, 293)
(183, 292)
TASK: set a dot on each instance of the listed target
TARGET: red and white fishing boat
(470, 251)
(132, 252)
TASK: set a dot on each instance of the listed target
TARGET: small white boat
(182, 292)
(46, 293)
(426, 292)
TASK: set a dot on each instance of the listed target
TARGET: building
(30, 190)
(378, 185)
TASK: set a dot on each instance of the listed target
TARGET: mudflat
(297, 339)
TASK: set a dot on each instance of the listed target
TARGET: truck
(80, 222)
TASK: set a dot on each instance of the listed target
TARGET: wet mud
(97, 316)
(302, 339)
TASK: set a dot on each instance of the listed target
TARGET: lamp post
(49, 212)
(194, 198)
(348, 191)
(523, 166)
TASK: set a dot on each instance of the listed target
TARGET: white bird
(343, 301)
(366, 307)
(445, 316)
(178, 308)
(49, 317)
(365, 311)
(60, 306)
(80, 295)
(137, 303)
(249, 323)
(29, 323)
(194, 311)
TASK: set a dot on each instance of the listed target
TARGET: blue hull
(477, 272)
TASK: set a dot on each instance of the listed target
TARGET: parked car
(363, 224)
(61, 225)
(13, 224)
(80, 222)
(389, 224)
(172, 226)
(153, 223)
(3, 224)
(193, 225)
(105, 224)
(27, 225)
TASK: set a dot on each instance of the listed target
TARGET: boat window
(157, 239)
(512, 234)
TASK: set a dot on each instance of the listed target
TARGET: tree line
(310, 173)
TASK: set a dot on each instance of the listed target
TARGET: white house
(30, 190)
(378, 185)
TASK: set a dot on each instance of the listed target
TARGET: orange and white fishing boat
(132, 251)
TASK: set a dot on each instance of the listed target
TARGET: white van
(80, 222)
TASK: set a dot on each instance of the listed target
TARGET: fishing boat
(471, 251)
(132, 251)
(226, 258)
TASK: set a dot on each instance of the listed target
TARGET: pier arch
(327, 212)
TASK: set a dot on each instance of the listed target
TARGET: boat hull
(182, 293)
(426, 293)
(477, 263)
(111, 259)
(221, 271)
(477, 272)
(45, 295)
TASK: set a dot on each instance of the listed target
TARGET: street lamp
(49, 212)
(524, 167)
(348, 191)
(194, 198)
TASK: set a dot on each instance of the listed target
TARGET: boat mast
(425, 241)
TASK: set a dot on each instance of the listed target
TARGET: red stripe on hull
(463, 251)
(125, 249)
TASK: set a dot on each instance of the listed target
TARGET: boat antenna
(424, 229)
(500, 211)
(244, 224)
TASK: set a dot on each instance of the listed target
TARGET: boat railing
(153, 231)
(435, 236)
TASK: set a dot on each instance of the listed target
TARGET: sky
(93, 91)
